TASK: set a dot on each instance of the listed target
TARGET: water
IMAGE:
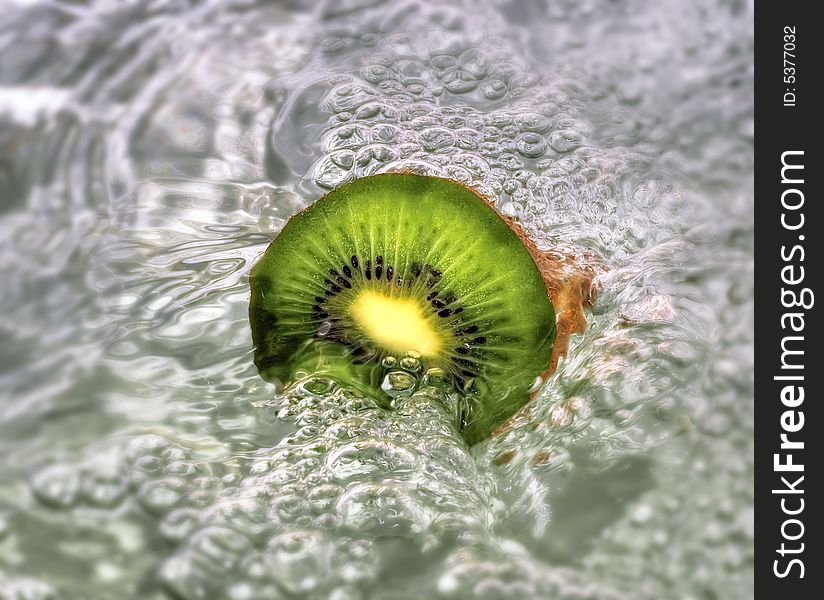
(150, 150)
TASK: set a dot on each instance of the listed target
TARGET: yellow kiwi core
(398, 324)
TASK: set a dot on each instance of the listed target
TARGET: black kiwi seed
(320, 299)
(354, 262)
(368, 270)
(472, 329)
(347, 271)
(438, 304)
(462, 350)
(416, 269)
(467, 364)
(336, 289)
(444, 313)
(432, 295)
(479, 340)
(389, 272)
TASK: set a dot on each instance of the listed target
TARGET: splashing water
(149, 151)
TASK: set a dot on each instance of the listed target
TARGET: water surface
(148, 153)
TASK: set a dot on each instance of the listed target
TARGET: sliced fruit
(399, 265)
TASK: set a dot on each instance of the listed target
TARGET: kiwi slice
(397, 266)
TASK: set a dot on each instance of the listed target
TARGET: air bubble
(411, 363)
(179, 524)
(332, 45)
(370, 39)
(389, 362)
(460, 174)
(375, 73)
(436, 138)
(418, 90)
(466, 139)
(532, 122)
(418, 167)
(318, 386)
(386, 134)
(347, 97)
(512, 209)
(490, 133)
(510, 161)
(436, 377)
(523, 80)
(344, 159)
(441, 62)
(565, 141)
(369, 110)
(287, 508)
(561, 416)
(103, 488)
(510, 131)
(454, 121)
(398, 383)
(329, 175)
(161, 496)
(57, 485)
(300, 560)
(530, 145)
(494, 89)
(459, 81)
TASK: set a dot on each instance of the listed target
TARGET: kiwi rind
(412, 219)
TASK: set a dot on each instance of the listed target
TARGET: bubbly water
(149, 150)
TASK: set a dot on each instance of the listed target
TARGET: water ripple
(149, 152)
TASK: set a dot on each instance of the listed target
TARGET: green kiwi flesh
(418, 239)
